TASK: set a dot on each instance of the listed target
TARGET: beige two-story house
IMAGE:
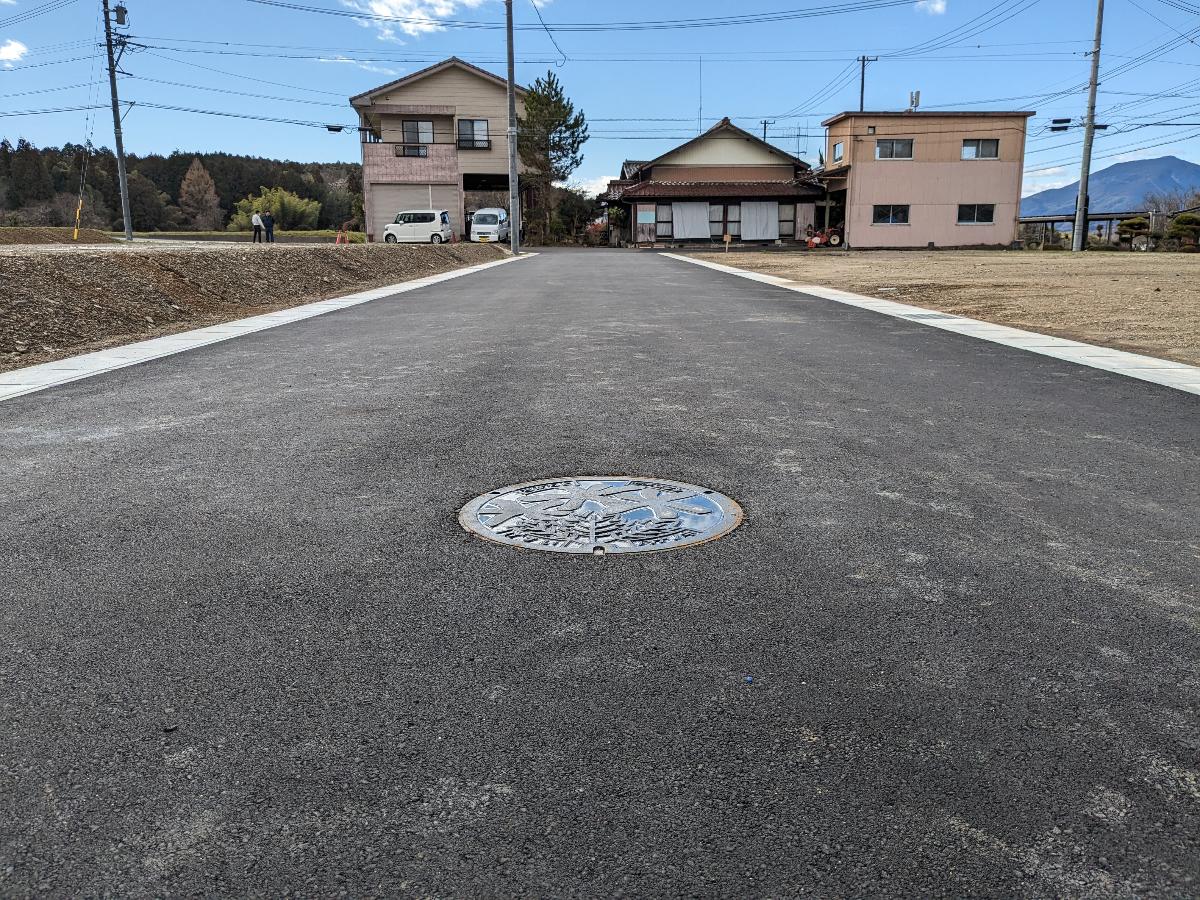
(437, 138)
(921, 179)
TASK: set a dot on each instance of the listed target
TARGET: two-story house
(925, 179)
(437, 138)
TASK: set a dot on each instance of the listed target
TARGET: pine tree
(550, 137)
(198, 198)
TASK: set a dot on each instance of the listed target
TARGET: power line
(646, 25)
(549, 33)
(22, 17)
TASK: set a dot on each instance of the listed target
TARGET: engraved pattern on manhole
(602, 514)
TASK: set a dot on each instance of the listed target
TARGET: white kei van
(419, 226)
(489, 225)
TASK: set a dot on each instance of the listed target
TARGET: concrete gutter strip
(1165, 372)
(19, 382)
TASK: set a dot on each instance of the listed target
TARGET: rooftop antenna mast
(914, 100)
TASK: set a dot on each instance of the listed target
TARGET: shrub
(291, 211)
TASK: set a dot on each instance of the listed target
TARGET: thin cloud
(11, 51)
(366, 67)
(424, 13)
(8, 2)
(933, 7)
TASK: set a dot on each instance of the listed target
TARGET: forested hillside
(40, 186)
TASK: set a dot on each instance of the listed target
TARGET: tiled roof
(674, 190)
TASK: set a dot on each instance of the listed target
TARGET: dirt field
(1143, 302)
(52, 236)
(56, 302)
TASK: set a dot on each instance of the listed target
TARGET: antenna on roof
(914, 100)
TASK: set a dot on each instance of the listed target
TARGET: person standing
(256, 221)
(268, 221)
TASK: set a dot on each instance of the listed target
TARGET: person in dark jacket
(269, 225)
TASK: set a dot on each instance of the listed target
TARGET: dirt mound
(58, 304)
(10, 236)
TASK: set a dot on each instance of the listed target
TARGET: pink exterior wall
(935, 181)
(381, 165)
(933, 191)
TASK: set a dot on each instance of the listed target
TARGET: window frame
(420, 131)
(892, 142)
(891, 215)
(975, 208)
(664, 225)
(978, 143)
(473, 141)
(789, 222)
(838, 153)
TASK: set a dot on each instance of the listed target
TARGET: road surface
(248, 650)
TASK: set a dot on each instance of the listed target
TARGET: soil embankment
(11, 236)
(57, 304)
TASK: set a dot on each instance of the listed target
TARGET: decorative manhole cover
(601, 515)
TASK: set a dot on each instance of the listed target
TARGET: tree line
(189, 191)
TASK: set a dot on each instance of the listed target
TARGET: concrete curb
(1176, 375)
(20, 382)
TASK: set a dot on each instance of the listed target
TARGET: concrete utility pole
(764, 123)
(514, 200)
(116, 109)
(862, 79)
(1079, 236)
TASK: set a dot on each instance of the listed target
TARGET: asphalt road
(247, 649)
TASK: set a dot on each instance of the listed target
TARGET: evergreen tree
(29, 180)
(198, 198)
(550, 138)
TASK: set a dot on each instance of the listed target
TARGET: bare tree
(1172, 200)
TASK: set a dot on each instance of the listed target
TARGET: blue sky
(641, 89)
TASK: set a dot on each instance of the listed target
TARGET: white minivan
(419, 226)
(489, 225)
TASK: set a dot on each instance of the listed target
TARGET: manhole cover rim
(733, 516)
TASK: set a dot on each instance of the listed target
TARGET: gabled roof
(726, 125)
(453, 62)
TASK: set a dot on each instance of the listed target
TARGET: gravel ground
(56, 303)
(1141, 302)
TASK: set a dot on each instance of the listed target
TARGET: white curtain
(760, 221)
(806, 214)
(690, 220)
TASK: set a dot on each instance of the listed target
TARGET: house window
(870, 129)
(418, 150)
(894, 148)
(418, 132)
(839, 150)
(787, 220)
(663, 221)
(724, 218)
(976, 213)
(890, 215)
(981, 148)
(473, 134)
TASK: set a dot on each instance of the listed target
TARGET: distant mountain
(1119, 188)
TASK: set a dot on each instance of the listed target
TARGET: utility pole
(764, 123)
(116, 109)
(862, 79)
(1079, 235)
(514, 200)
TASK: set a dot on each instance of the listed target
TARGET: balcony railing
(465, 143)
